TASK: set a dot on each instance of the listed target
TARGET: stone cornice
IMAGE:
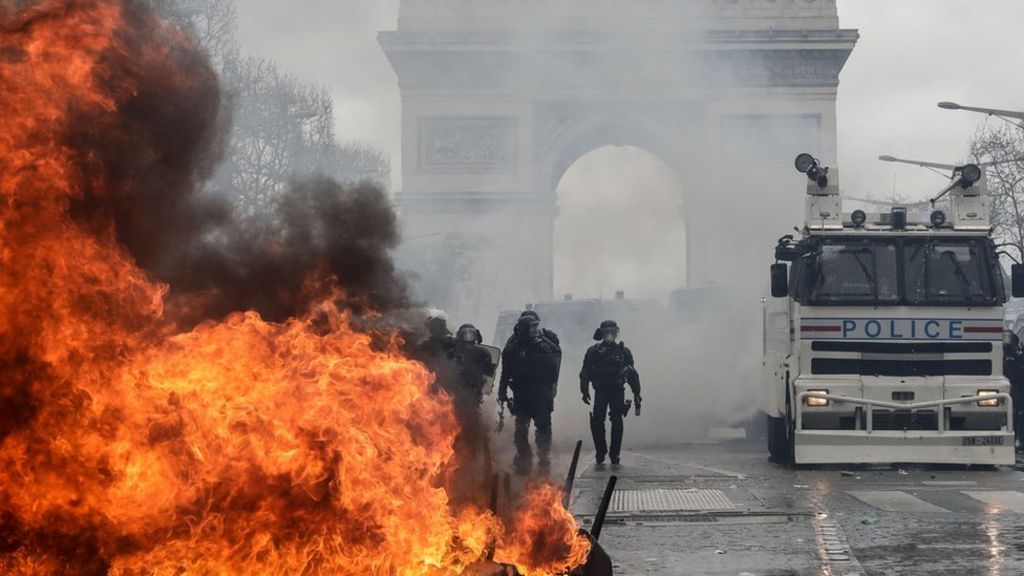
(646, 70)
(447, 202)
(674, 14)
(473, 41)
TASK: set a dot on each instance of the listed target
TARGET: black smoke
(322, 234)
(147, 163)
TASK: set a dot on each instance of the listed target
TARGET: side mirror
(780, 280)
(1017, 280)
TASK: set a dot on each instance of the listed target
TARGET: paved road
(722, 509)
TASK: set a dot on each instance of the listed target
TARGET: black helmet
(469, 333)
(530, 314)
(437, 326)
(524, 323)
(606, 326)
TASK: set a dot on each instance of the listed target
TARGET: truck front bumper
(938, 446)
(887, 447)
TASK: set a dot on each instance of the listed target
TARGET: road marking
(895, 501)
(949, 483)
(833, 549)
(719, 471)
(1009, 501)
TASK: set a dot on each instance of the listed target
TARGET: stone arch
(620, 225)
(580, 135)
(583, 135)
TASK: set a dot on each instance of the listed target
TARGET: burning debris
(172, 405)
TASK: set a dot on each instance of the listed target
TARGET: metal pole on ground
(570, 478)
(606, 501)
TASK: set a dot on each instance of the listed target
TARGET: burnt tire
(780, 443)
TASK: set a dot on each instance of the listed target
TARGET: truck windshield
(891, 271)
(946, 272)
(855, 272)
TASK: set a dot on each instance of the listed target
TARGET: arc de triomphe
(500, 97)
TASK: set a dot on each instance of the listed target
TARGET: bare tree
(213, 24)
(282, 128)
(349, 162)
(354, 162)
(1005, 180)
(267, 139)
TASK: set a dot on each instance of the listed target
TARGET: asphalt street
(723, 509)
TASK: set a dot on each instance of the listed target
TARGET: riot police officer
(609, 366)
(437, 345)
(1013, 369)
(435, 350)
(473, 363)
(472, 366)
(548, 334)
(531, 362)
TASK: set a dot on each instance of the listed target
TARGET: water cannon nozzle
(858, 218)
(809, 165)
(805, 163)
(969, 174)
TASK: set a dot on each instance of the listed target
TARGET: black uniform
(530, 367)
(435, 351)
(1013, 369)
(472, 368)
(609, 367)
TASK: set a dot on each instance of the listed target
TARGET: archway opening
(620, 227)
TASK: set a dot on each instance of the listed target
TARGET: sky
(334, 43)
(912, 55)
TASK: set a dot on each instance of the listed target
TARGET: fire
(540, 532)
(131, 446)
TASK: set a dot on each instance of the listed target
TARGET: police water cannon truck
(882, 335)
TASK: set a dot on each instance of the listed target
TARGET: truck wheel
(780, 447)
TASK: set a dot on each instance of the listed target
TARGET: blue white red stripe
(934, 329)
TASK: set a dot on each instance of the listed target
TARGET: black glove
(586, 398)
(636, 402)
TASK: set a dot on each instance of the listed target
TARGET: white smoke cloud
(703, 370)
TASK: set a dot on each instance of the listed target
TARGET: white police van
(883, 337)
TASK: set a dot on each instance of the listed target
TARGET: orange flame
(239, 447)
(543, 538)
